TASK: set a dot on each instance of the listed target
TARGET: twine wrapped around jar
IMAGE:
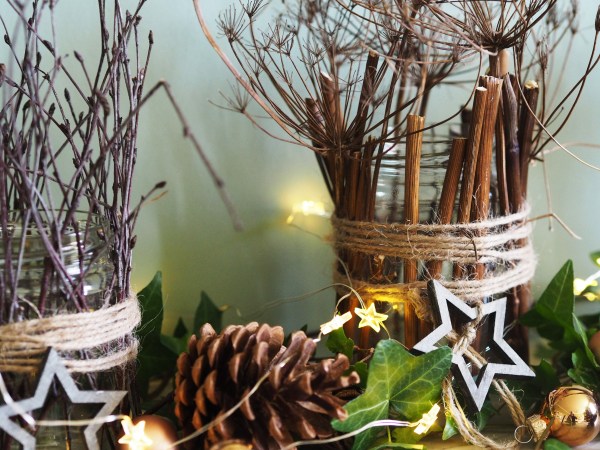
(502, 244)
(105, 335)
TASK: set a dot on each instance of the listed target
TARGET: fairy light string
(136, 438)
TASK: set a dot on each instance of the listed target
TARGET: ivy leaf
(556, 302)
(180, 329)
(362, 369)
(175, 345)
(555, 444)
(154, 357)
(545, 377)
(581, 333)
(207, 312)
(337, 342)
(450, 429)
(400, 385)
(595, 256)
(583, 372)
(151, 303)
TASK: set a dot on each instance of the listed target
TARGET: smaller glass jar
(32, 289)
(38, 290)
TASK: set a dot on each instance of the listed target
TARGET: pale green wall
(187, 234)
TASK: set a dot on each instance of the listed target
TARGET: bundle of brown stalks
(351, 80)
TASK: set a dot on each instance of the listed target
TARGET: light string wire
(29, 419)
(113, 418)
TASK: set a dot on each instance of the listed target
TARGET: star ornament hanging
(475, 390)
(54, 368)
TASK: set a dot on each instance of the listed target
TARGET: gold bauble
(575, 413)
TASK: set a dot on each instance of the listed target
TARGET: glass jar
(32, 288)
(389, 200)
(389, 207)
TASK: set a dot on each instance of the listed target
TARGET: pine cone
(296, 401)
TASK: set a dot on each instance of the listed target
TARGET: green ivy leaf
(363, 372)
(337, 342)
(450, 428)
(151, 304)
(581, 333)
(556, 302)
(400, 385)
(545, 377)
(583, 372)
(555, 444)
(174, 344)
(180, 329)
(207, 312)
(595, 256)
(154, 358)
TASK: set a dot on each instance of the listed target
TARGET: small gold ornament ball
(594, 345)
(576, 415)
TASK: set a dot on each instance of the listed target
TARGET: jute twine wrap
(105, 336)
(502, 242)
(462, 347)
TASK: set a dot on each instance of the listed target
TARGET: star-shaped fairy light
(475, 391)
(336, 323)
(54, 368)
(370, 317)
(134, 435)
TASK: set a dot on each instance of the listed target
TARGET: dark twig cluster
(68, 151)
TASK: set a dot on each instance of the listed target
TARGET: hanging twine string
(502, 242)
(462, 347)
(105, 336)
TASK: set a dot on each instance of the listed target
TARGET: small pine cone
(296, 401)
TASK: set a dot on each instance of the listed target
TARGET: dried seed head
(2, 73)
(543, 53)
(49, 46)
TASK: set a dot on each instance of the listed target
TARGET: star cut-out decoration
(475, 391)
(370, 317)
(53, 368)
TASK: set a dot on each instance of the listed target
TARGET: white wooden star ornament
(54, 368)
(475, 390)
